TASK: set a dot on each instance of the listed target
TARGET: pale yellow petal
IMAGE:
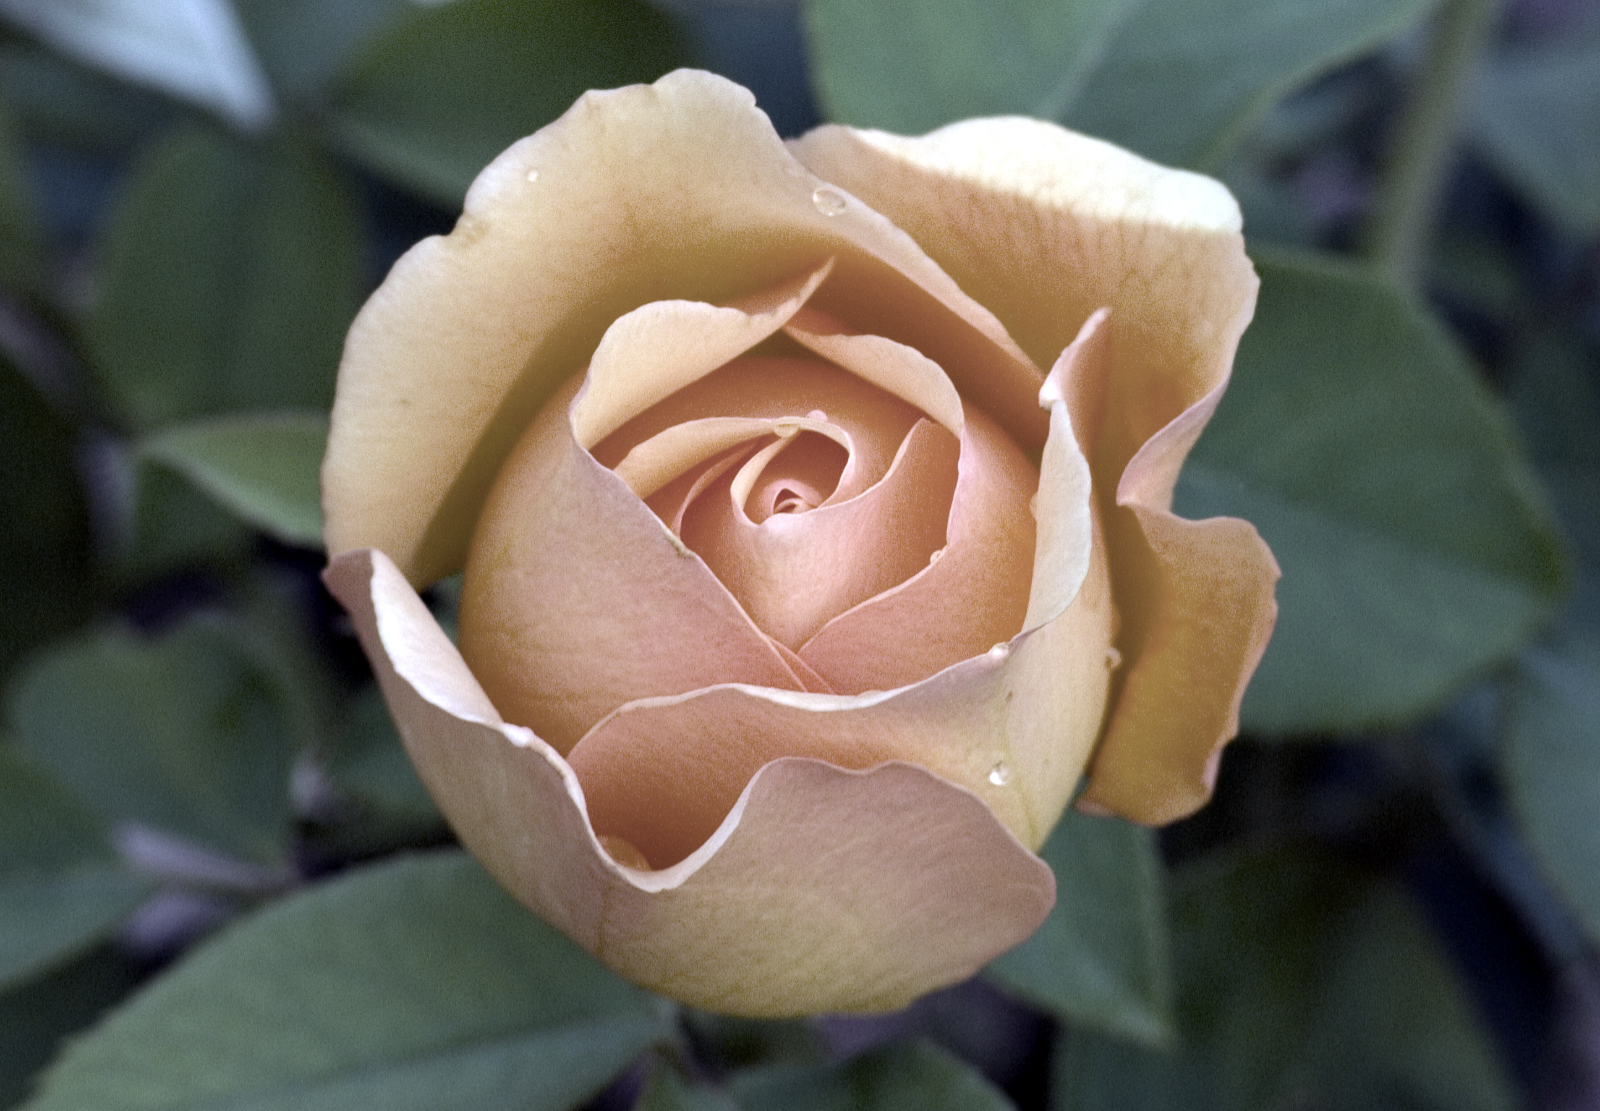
(678, 190)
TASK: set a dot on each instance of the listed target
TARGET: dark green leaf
(171, 524)
(36, 1016)
(191, 732)
(1537, 116)
(21, 246)
(1302, 982)
(1414, 554)
(231, 274)
(1100, 960)
(667, 1091)
(55, 98)
(369, 764)
(265, 467)
(433, 100)
(903, 1076)
(410, 986)
(1551, 761)
(912, 65)
(1183, 80)
(62, 886)
(305, 44)
(44, 544)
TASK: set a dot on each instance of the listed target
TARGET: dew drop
(938, 554)
(1033, 506)
(829, 202)
(1113, 659)
(533, 175)
(1000, 774)
(1000, 651)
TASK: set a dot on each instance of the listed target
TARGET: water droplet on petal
(1000, 775)
(937, 555)
(817, 414)
(1113, 659)
(1000, 651)
(829, 202)
(533, 175)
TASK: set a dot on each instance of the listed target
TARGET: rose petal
(1080, 225)
(680, 189)
(578, 599)
(973, 595)
(1086, 225)
(1014, 725)
(793, 572)
(1197, 612)
(825, 890)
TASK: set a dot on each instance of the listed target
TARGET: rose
(660, 346)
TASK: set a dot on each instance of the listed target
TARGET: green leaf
(433, 100)
(667, 1091)
(305, 44)
(1100, 960)
(911, 65)
(369, 764)
(1183, 80)
(231, 274)
(62, 886)
(54, 98)
(1414, 551)
(1302, 982)
(265, 467)
(37, 1015)
(1536, 115)
(902, 1076)
(1550, 757)
(413, 985)
(21, 244)
(171, 524)
(191, 732)
(44, 545)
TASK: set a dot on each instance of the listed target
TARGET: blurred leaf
(62, 886)
(171, 525)
(21, 246)
(434, 99)
(1550, 756)
(1183, 80)
(1100, 960)
(667, 1091)
(305, 44)
(35, 1017)
(55, 98)
(369, 764)
(265, 467)
(414, 984)
(1414, 552)
(1301, 983)
(901, 1076)
(195, 50)
(911, 65)
(44, 546)
(1536, 115)
(231, 274)
(190, 732)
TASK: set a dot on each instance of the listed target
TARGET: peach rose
(813, 505)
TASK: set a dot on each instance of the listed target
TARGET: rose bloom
(813, 501)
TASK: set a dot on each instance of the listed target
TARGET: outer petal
(1045, 227)
(824, 890)
(676, 190)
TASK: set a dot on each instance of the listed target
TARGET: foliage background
(221, 886)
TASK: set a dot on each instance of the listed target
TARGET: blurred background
(220, 883)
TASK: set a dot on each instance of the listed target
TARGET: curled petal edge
(824, 890)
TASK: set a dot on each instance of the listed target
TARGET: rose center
(801, 475)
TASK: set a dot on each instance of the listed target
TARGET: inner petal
(794, 571)
(800, 475)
